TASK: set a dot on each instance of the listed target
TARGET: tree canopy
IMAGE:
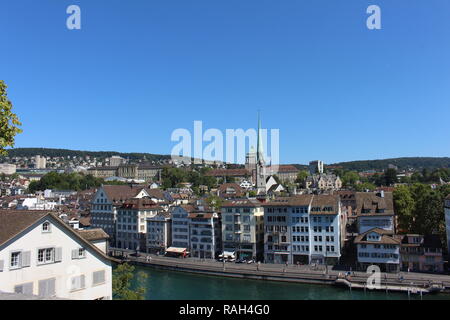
(9, 122)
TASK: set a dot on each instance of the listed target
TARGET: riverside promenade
(419, 283)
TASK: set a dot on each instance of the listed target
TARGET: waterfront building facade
(159, 232)
(378, 247)
(131, 232)
(304, 229)
(421, 253)
(447, 220)
(243, 228)
(205, 229)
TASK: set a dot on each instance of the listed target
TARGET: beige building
(8, 169)
(128, 171)
(323, 182)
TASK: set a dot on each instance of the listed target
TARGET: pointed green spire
(260, 150)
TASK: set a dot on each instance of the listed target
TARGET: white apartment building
(304, 229)
(41, 255)
(447, 219)
(131, 231)
(40, 162)
(378, 247)
(243, 228)
(375, 210)
(159, 232)
(205, 233)
(180, 226)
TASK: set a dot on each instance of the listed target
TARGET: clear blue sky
(139, 69)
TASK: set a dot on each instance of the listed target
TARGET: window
(47, 287)
(77, 282)
(98, 277)
(46, 255)
(46, 227)
(15, 260)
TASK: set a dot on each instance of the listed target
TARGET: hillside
(402, 163)
(47, 152)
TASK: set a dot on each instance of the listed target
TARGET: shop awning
(176, 250)
(227, 254)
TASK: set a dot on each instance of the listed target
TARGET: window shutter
(82, 281)
(58, 254)
(51, 286)
(98, 277)
(28, 288)
(18, 289)
(26, 258)
(43, 288)
(1, 265)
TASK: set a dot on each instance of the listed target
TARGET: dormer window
(46, 227)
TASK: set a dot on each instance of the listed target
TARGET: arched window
(46, 227)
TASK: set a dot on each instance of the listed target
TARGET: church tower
(260, 163)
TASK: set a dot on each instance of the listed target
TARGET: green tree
(390, 176)
(350, 178)
(404, 205)
(9, 123)
(122, 280)
(360, 187)
(214, 202)
(301, 176)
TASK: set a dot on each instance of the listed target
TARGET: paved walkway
(320, 273)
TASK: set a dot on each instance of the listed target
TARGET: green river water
(175, 285)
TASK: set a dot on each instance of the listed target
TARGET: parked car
(251, 261)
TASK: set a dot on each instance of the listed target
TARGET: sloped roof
(93, 234)
(14, 222)
(373, 203)
(386, 237)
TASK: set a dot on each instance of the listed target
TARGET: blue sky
(137, 70)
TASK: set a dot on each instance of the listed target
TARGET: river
(176, 285)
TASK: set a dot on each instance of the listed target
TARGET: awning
(176, 250)
(227, 254)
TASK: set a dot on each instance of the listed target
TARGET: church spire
(260, 150)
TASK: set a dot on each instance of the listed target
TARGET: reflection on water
(173, 285)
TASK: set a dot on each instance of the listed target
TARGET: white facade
(375, 249)
(52, 261)
(7, 168)
(447, 220)
(180, 228)
(366, 223)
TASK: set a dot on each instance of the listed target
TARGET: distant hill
(416, 163)
(47, 152)
(402, 163)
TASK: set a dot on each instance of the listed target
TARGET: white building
(180, 226)
(304, 229)
(375, 210)
(131, 231)
(41, 255)
(40, 162)
(206, 233)
(159, 232)
(8, 169)
(378, 247)
(447, 219)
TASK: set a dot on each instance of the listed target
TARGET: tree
(301, 176)
(8, 121)
(214, 202)
(350, 178)
(404, 207)
(390, 176)
(121, 283)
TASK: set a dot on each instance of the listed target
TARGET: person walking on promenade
(257, 265)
